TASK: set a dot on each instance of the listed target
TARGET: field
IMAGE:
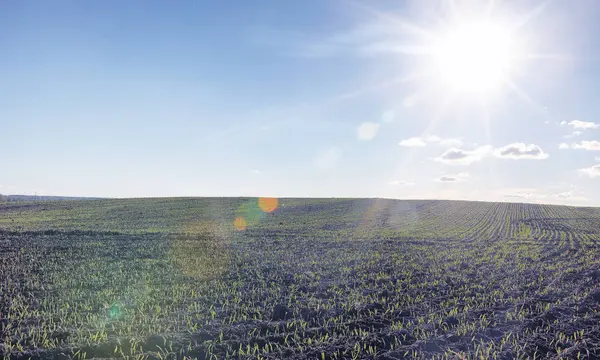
(298, 279)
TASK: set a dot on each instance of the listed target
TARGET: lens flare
(402, 216)
(240, 223)
(201, 256)
(114, 312)
(201, 247)
(268, 205)
(250, 212)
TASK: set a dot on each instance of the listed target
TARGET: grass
(314, 279)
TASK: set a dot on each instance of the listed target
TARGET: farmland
(244, 278)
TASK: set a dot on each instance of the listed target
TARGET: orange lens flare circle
(240, 223)
(268, 204)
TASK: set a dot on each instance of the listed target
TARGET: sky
(443, 99)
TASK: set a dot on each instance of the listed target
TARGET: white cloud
(433, 139)
(592, 145)
(367, 131)
(401, 183)
(518, 151)
(453, 178)
(587, 145)
(256, 171)
(450, 142)
(574, 134)
(525, 193)
(456, 156)
(412, 142)
(597, 158)
(388, 116)
(577, 124)
(547, 195)
(511, 151)
(328, 157)
(366, 39)
(592, 171)
(564, 195)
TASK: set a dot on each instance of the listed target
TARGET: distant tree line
(30, 198)
(10, 198)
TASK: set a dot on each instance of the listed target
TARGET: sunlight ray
(522, 94)
(412, 28)
(533, 13)
(409, 158)
(489, 9)
(487, 121)
(454, 13)
(547, 56)
(404, 49)
(376, 87)
(525, 97)
(438, 115)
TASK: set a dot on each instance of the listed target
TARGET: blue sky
(303, 98)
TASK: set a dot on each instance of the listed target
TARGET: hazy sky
(301, 98)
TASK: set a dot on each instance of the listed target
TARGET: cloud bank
(592, 171)
(514, 151)
(578, 124)
(587, 145)
(412, 142)
(517, 151)
(421, 141)
(456, 156)
(453, 178)
(592, 145)
(401, 183)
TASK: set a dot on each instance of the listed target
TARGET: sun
(461, 55)
(473, 57)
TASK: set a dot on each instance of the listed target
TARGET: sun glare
(473, 57)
